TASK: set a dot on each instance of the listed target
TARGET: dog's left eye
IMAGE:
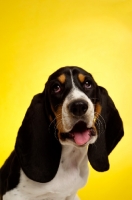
(87, 85)
(56, 88)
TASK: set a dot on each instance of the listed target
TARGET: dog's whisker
(57, 117)
(100, 123)
(59, 123)
(100, 126)
(99, 115)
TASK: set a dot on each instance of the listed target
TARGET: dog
(71, 122)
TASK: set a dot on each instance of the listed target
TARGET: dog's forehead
(62, 73)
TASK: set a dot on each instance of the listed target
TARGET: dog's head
(72, 95)
(72, 110)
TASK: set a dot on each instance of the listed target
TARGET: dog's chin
(80, 135)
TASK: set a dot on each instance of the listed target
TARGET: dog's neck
(75, 157)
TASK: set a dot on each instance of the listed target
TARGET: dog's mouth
(79, 134)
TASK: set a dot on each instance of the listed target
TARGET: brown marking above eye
(81, 78)
(62, 78)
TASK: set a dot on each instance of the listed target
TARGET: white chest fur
(72, 175)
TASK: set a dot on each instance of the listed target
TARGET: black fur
(10, 173)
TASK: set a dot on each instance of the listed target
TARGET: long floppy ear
(110, 128)
(37, 149)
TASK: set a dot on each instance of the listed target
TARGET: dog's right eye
(56, 88)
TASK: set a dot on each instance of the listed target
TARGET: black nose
(78, 107)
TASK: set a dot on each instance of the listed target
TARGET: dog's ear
(37, 149)
(110, 128)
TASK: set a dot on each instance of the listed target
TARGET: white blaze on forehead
(76, 94)
(73, 84)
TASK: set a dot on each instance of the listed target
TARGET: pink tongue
(82, 138)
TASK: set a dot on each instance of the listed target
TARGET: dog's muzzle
(80, 133)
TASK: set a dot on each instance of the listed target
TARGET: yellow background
(39, 36)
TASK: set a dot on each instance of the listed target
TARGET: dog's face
(73, 100)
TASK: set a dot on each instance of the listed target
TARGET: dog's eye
(87, 85)
(56, 88)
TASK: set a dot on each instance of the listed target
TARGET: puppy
(72, 121)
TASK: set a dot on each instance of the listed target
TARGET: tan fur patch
(62, 78)
(98, 109)
(59, 125)
(81, 78)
